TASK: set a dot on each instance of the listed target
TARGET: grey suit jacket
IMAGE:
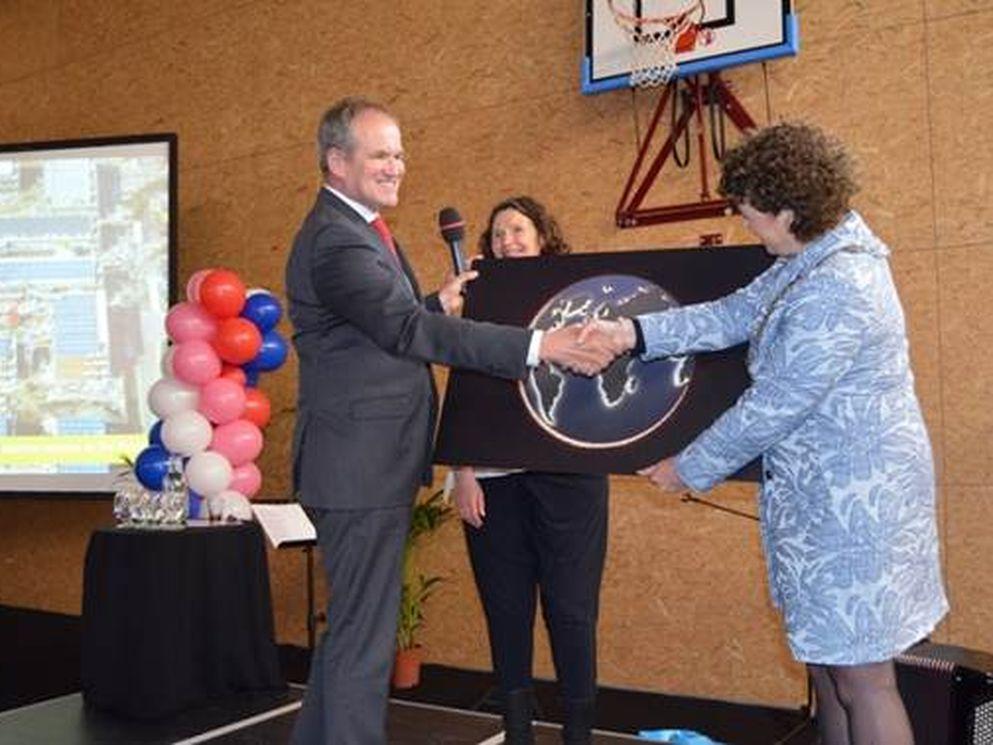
(363, 335)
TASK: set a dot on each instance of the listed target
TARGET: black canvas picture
(631, 415)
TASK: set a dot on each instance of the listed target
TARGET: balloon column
(211, 412)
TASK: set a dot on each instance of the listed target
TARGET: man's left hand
(450, 295)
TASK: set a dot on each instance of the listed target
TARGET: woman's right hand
(469, 498)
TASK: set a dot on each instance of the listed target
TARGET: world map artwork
(630, 398)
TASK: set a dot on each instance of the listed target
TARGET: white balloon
(208, 473)
(186, 433)
(167, 361)
(256, 290)
(229, 505)
(169, 396)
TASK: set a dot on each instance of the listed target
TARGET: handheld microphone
(452, 228)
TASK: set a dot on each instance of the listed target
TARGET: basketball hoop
(656, 39)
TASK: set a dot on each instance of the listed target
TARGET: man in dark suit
(367, 405)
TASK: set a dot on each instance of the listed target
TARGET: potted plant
(427, 516)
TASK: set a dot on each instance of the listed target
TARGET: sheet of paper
(284, 523)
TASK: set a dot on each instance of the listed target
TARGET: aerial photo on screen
(84, 267)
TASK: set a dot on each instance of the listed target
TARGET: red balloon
(233, 373)
(193, 284)
(222, 293)
(237, 341)
(258, 410)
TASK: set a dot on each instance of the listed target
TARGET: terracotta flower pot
(407, 668)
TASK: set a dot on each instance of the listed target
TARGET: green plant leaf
(426, 517)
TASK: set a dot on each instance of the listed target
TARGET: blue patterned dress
(847, 505)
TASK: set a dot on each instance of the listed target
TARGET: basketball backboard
(732, 32)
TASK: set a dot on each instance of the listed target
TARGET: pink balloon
(196, 362)
(239, 441)
(186, 321)
(247, 479)
(222, 400)
(193, 284)
(166, 365)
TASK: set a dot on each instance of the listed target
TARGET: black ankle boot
(579, 717)
(517, 715)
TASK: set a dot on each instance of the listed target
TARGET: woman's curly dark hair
(549, 233)
(791, 166)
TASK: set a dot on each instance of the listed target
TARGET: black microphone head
(451, 225)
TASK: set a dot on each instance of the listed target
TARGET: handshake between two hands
(587, 348)
(583, 348)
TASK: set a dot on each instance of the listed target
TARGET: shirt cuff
(639, 338)
(534, 348)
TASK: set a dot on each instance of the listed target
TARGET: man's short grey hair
(335, 129)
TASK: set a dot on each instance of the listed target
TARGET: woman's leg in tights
(869, 695)
(832, 719)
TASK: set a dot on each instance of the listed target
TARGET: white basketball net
(653, 39)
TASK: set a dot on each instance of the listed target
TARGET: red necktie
(379, 225)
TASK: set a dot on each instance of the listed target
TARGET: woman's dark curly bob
(549, 233)
(791, 166)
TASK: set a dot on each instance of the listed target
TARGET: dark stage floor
(40, 705)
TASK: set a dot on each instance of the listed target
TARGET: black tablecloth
(172, 619)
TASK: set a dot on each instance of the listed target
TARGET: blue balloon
(155, 434)
(251, 376)
(151, 466)
(263, 310)
(196, 506)
(271, 354)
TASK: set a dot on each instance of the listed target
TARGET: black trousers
(547, 532)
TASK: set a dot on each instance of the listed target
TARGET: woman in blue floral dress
(847, 503)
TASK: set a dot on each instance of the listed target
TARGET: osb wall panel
(967, 551)
(961, 49)
(88, 28)
(487, 95)
(839, 18)
(26, 36)
(42, 547)
(966, 365)
(26, 104)
(945, 8)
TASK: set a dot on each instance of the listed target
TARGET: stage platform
(40, 704)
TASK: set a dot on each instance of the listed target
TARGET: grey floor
(250, 720)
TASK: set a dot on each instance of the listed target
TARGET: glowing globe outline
(684, 369)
